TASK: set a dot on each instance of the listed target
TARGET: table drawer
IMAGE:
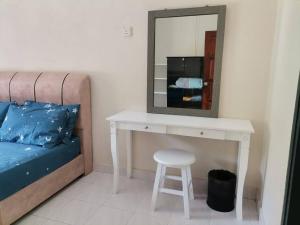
(143, 127)
(197, 132)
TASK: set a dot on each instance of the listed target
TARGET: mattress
(21, 165)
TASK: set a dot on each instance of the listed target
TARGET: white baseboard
(200, 185)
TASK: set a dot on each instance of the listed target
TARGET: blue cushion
(190, 83)
(73, 111)
(3, 110)
(36, 126)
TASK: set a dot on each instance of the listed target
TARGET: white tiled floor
(89, 201)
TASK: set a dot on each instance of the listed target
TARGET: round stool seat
(174, 157)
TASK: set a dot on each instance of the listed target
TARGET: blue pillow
(37, 126)
(3, 110)
(72, 110)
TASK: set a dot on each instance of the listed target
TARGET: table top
(223, 124)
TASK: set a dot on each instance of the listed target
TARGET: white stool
(174, 158)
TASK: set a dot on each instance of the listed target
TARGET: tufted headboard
(54, 87)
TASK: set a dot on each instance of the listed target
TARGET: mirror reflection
(184, 61)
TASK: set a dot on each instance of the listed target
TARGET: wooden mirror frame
(207, 10)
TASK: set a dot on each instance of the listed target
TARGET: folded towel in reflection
(189, 83)
(196, 98)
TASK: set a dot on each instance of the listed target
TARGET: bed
(47, 172)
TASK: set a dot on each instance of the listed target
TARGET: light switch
(127, 31)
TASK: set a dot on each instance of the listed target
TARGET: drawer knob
(201, 133)
(146, 127)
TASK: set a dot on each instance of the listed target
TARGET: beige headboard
(60, 88)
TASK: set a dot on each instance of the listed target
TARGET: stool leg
(184, 175)
(190, 183)
(163, 174)
(156, 186)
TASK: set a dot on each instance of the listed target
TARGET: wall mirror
(185, 49)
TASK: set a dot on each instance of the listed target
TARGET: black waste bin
(221, 190)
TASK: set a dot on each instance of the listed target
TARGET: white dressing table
(212, 128)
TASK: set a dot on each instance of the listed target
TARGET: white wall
(182, 36)
(85, 35)
(285, 72)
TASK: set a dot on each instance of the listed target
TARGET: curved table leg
(115, 155)
(243, 156)
(129, 152)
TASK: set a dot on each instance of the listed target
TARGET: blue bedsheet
(21, 165)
